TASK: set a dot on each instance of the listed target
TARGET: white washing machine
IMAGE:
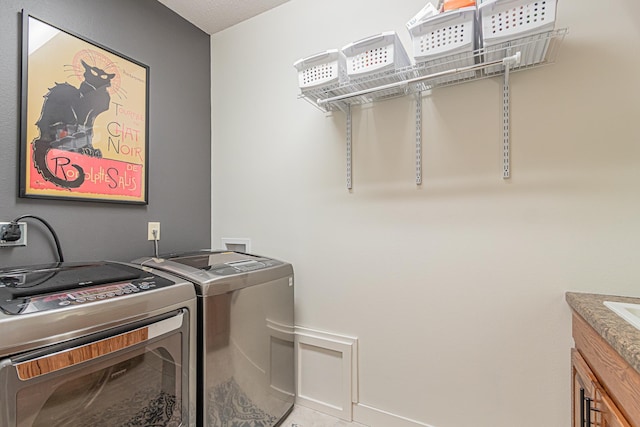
(245, 335)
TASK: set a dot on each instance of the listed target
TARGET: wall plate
(239, 244)
(22, 241)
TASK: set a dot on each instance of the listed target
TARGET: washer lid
(218, 272)
(223, 263)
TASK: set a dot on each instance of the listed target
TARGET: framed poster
(84, 124)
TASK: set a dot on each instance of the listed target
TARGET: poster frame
(115, 184)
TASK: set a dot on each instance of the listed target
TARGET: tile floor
(305, 417)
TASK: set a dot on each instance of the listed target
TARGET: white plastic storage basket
(382, 53)
(323, 70)
(445, 41)
(519, 24)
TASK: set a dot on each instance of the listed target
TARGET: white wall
(455, 289)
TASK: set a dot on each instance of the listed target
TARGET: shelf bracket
(419, 138)
(506, 119)
(506, 145)
(349, 140)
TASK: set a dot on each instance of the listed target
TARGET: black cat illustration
(66, 123)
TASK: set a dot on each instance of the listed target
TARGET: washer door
(134, 378)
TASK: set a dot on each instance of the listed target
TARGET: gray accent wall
(178, 55)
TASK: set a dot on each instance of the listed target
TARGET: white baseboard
(373, 417)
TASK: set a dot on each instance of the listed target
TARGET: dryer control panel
(74, 297)
(30, 291)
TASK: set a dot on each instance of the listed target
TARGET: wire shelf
(532, 51)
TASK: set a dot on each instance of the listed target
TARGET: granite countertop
(619, 333)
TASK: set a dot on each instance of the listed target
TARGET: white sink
(629, 312)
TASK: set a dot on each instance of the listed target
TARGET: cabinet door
(583, 392)
(591, 405)
(607, 411)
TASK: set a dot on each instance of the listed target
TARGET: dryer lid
(34, 280)
(25, 290)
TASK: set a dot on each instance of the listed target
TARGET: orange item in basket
(457, 4)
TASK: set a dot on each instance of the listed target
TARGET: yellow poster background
(120, 132)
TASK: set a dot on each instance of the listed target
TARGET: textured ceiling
(212, 16)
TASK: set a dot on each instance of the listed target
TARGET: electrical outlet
(153, 226)
(22, 241)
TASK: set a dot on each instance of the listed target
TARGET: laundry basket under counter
(507, 26)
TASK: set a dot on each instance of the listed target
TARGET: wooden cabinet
(591, 405)
(582, 389)
(608, 413)
(605, 388)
